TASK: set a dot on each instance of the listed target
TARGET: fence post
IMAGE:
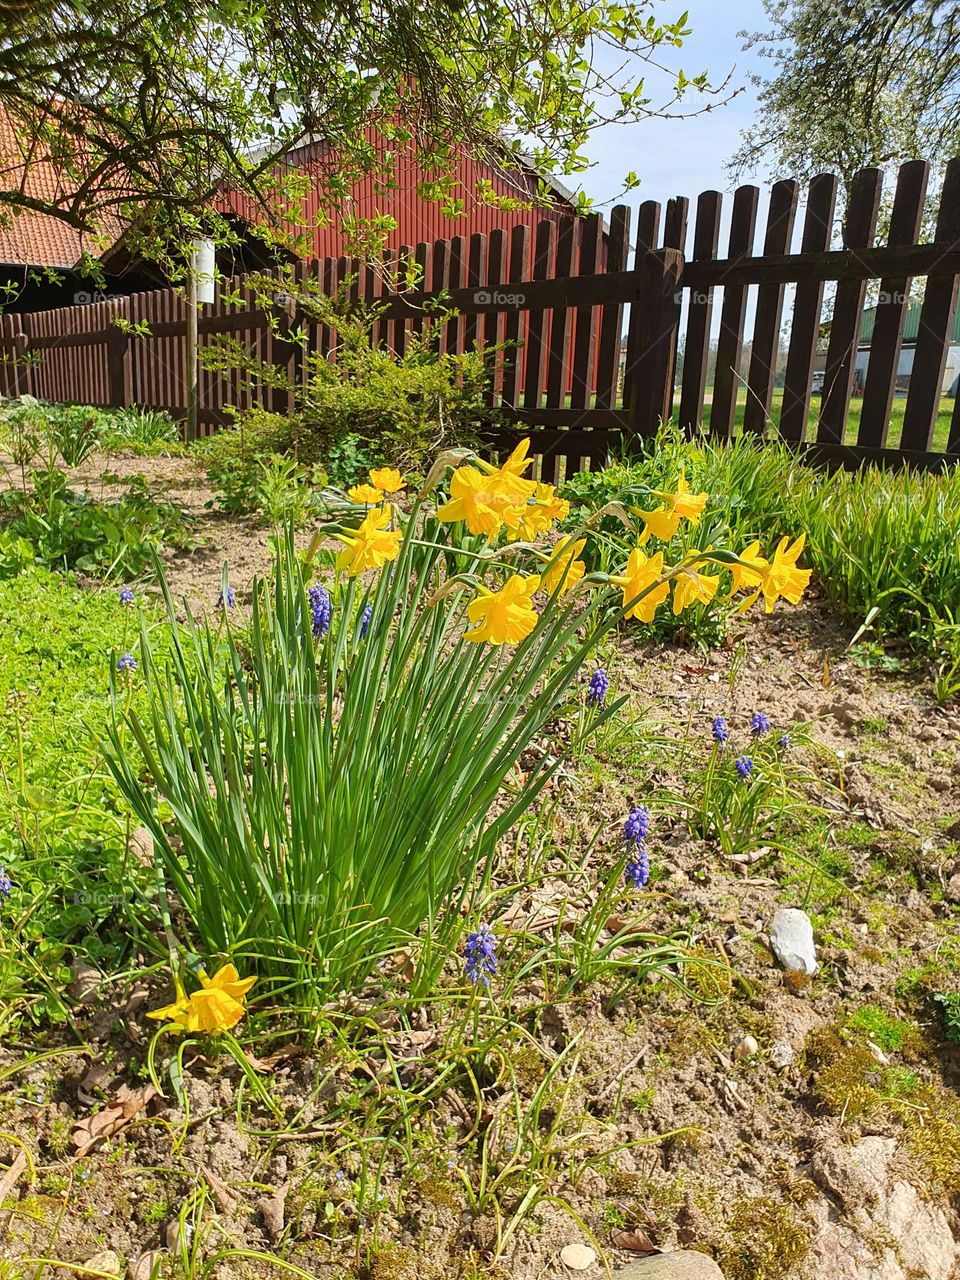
(648, 378)
(22, 373)
(119, 378)
(286, 356)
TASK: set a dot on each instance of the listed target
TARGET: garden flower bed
(552, 1038)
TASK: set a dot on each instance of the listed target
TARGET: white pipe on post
(201, 271)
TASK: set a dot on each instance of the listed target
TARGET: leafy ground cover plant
(338, 796)
(46, 519)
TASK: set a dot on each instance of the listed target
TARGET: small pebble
(746, 1048)
(781, 1054)
(578, 1257)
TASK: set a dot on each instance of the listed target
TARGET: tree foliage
(146, 108)
(856, 83)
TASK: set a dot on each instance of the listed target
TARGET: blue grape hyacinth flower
(720, 730)
(365, 618)
(127, 662)
(320, 609)
(6, 884)
(759, 724)
(599, 684)
(127, 595)
(637, 825)
(637, 870)
(480, 955)
(226, 601)
(744, 767)
(783, 742)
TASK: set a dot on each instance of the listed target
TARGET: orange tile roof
(32, 238)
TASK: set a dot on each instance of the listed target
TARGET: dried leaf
(273, 1211)
(146, 1267)
(276, 1059)
(12, 1175)
(224, 1197)
(126, 1104)
(92, 1086)
(634, 1240)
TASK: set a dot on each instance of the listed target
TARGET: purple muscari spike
(365, 619)
(637, 870)
(126, 595)
(127, 662)
(480, 955)
(228, 600)
(720, 730)
(637, 825)
(6, 884)
(321, 609)
(783, 742)
(599, 684)
(759, 724)
(744, 767)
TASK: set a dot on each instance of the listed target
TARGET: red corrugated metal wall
(417, 219)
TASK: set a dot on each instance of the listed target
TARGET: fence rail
(582, 332)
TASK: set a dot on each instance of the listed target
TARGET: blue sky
(684, 157)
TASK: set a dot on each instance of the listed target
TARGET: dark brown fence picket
(936, 320)
(732, 316)
(696, 352)
(858, 232)
(807, 308)
(766, 329)
(905, 222)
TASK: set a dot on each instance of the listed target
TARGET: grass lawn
(941, 433)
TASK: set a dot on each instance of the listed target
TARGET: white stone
(578, 1257)
(888, 1230)
(782, 1054)
(791, 939)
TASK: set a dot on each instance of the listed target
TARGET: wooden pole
(193, 343)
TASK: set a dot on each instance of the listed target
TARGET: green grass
(940, 436)
(63, 832)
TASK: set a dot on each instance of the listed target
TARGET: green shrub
(360, 398)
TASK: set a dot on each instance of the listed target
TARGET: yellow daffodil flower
(371, 545)
(508, 477)
(387, 479)
(216, 1007)
(546, 497)
(505, 616)
(749, 573)
(565, 568)
(477, 500)
(643, 572)
(690, 586)
(365, 495)
(528, 522)
(660, 523)
(664, 521)
(782, 577)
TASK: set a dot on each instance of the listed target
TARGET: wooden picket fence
(581, 325)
